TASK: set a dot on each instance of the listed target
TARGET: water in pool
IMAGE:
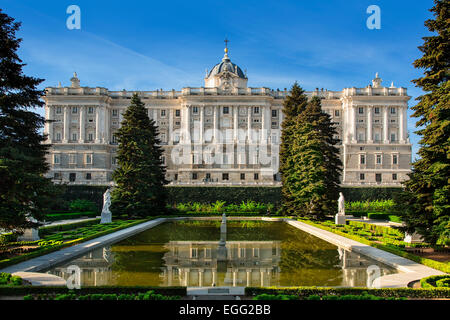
(258, 253)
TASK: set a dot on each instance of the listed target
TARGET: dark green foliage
(140, 176)
(311, 165)
(23, 189)
(82, 205)
(70, 215)
(293, 106)
(305, 292)
(9, 279)
(425, 204)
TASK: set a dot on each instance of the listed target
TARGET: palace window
(177, 113)
(274, 113)
(256, 176)
(377, 110)
(208, 176)
(393, 110)
(163, 113)
(394, 176)
(226, 110)
(91, 110)
(74, 109)
(56, 159)
(362, 176)
(361, 110)
(378, 177)
(74, 136)
(88, 176)
(88, 159)
(392, 137)
(394, 159)
(195, 110)
(194, 176)
(255, 252)
(72, 158)
(336, 113)
(115, 112)
(72, 176)
(378, 159)
(58, 136)
(256, 110)
(58, 110)
(362, 159)
(57, 176)
(90, 136)
(242, 176)
(225, 176)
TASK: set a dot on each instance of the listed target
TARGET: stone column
(200, 278)
(66, 124)
(48, 127)
(214, 277)
(262, 277)
(82, 136)
(97, 125)
(234, 278)
(263, 125)
(215, 126)
(385, 124)
(235, 123)
(202, 119)
(353, 124)
(249, 124)
(248, 277)
(186, 277)
(369, 125)
(107, 125)
(402, 126)
(188, 124)
(169, 134)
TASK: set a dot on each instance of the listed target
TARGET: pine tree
(140, 176)
(293, 105)
(24, 191)
(314, 180)
(425, 204)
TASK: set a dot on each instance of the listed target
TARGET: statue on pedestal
(106, 213)
(340, 217)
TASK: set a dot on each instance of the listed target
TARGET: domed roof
(226, 65)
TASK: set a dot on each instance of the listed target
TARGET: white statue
(341, 205)
(106, 213)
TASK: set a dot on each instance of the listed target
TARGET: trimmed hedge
(7, 262)
(230, 194)
(70, 215)
(68, 226)
(441, 281)
(305, 292)
(26, 290)
(442, 266)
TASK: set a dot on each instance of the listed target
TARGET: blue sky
(146, 45)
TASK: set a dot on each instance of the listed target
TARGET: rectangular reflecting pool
(255, 253)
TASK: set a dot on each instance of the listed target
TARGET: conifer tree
(294, 104)
(24, 191)
(314, 179)
(425, 204)
(140, 176)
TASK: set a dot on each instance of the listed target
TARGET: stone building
(225, 132)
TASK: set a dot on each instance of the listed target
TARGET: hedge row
(435, 281)
(68, 226)
(70, 215)
(305, 292)
(442, 266)
(26, 290)
(14, 260)
(230, 194)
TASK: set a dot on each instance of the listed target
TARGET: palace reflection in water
(196, 263)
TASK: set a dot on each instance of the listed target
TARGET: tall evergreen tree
(293, 105)
(314, 180)
(140, 176)
(425, 204)
(24, 191)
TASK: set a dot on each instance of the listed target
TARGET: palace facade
(225, 133)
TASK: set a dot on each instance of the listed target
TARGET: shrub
(442, 281)
(82, 205)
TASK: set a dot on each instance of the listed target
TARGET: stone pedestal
(413, 238)
(339, 219)
(31, 234)
(106, 216)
